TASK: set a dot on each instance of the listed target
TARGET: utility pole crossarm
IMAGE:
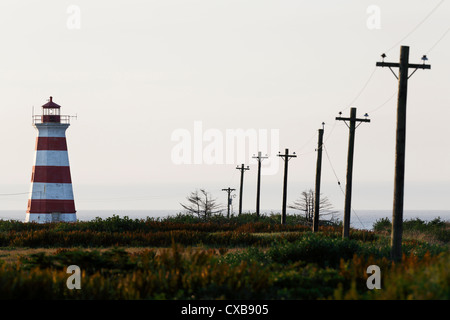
(419, 66)
(259, 157)
(397, 65)
(350, 119)
(388, 64)
(287, 156)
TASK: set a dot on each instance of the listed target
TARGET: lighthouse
(51, 195)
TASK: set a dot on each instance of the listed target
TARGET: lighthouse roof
(51, 104)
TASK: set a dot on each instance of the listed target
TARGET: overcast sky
(136, 73)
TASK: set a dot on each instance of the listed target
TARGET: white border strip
(51, 217)
(51, 191)
(57, 158)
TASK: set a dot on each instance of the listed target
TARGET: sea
(361, 219)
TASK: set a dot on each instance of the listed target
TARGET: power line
(417, 26)
(398, 42)
(362, 89)
(402, 39)
(384, 103)
(310, 139)
(122, 199)
(331, 131)
(439, 40)
(339, 183)
(354, 212)
(332, 168)
(14, 194)
(307, 143)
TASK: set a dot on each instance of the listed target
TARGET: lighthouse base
(51, 217)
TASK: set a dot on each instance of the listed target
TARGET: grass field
(239, 258)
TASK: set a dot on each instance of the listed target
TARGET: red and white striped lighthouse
(51, 195)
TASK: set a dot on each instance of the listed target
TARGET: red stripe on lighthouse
(51, 174)
(50, 206)
(51, 143)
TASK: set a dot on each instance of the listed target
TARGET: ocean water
(362, 219)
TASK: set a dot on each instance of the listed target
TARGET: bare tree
(306, 204)
(201, 204)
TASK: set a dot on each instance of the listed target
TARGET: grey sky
(135, 71)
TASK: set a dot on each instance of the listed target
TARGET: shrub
(314, 249)
(383, 224)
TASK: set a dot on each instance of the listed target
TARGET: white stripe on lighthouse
(52, 130)
(45, 217)
(52, 158)
(51, 191)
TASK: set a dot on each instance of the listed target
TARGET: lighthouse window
(51, 112)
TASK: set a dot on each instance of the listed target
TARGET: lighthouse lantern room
(51, 112)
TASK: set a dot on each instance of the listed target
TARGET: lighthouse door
(56, 216)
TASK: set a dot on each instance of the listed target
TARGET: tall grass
(184, 273)
(199, 260)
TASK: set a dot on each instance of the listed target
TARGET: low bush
(314, 249)
(433, 230)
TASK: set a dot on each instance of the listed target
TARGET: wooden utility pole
(258, 189)
(318, 175)
(229, 190)
(399, 178)
(242, 169)
(348, 187)
(286, 157)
